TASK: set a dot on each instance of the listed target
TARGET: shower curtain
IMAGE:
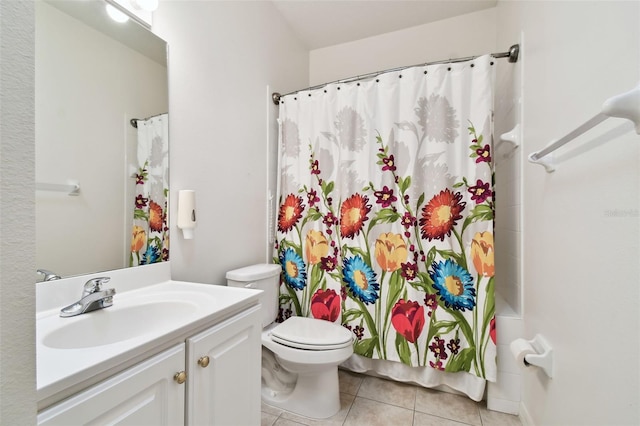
(150, 234)
(385, 220)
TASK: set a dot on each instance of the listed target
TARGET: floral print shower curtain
(150, 234)
(386, 208)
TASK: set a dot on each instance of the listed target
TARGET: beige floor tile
(372, 413)
(450, 406)
(274, 411)
(267, 419)
(495, 418)
(422, 419)
(389, 392)
(337, 419)
(349, 382)
(286, 422)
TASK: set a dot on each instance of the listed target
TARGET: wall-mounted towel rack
(626, 105)
(72, 188)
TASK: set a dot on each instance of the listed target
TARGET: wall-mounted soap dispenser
(187, 212)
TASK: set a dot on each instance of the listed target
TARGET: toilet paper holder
(543, 357)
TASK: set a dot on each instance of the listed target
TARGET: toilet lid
(311, 333)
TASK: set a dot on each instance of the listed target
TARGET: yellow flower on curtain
(390, 251)
(482, 253)
(316, 246)
(138, 238)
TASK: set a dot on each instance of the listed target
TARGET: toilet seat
(311, 334)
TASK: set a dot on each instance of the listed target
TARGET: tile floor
(370, 401)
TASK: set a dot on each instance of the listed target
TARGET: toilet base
(315, 395)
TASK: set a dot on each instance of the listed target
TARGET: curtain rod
(512, 55)
(134, 121)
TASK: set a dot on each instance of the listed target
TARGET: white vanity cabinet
(224, 372)
(145, 394)
(221, 365)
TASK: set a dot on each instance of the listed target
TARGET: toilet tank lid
(254, 272)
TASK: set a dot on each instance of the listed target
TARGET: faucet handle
(94, 285)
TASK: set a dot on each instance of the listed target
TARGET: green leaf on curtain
(316, 279)
(450, 254)
(458, 184)
(355, 250)
(444, 327)
(140, 214)
(327, 188)
(386, 216)
(489, 304)
(420, 201)
(461, 361)
(350, 315)
(290, 244)
(365, 347)
(404, 184)
(396, 284)
(424, 282)
(403, 350)
(314, 214)
(481, 212)
(431, 256)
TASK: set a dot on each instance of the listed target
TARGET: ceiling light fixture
(116, 14)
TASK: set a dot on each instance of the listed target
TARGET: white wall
(88, 86)
(222, 56)
(582, 223)
(461, 36)
(17, 219)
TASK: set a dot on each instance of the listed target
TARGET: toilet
(300, 356)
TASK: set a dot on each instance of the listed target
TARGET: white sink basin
(112, 325)
(77, 350)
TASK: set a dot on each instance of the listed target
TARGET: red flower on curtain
(407, 318)
(492, 330)
(353, 214)
(325, 304)
(439, 216)
(155, 217)
(290, 212)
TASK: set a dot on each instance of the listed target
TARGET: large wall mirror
(93, 76)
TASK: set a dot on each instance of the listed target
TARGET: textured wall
(17, 218)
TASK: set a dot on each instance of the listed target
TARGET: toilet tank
(265, 277)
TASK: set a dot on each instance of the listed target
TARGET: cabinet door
(145, 394)
(227, 390)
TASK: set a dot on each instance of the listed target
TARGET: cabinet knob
(180, 377)
(203, 361)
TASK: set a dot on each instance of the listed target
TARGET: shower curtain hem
(466, 383)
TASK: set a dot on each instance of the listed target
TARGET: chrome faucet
(93, 298)
(48, 275)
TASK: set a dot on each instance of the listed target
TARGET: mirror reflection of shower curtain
(150, 233)
(385, 220)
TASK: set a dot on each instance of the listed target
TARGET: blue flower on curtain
(360, 279)
(294, 269)
(454, 285)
